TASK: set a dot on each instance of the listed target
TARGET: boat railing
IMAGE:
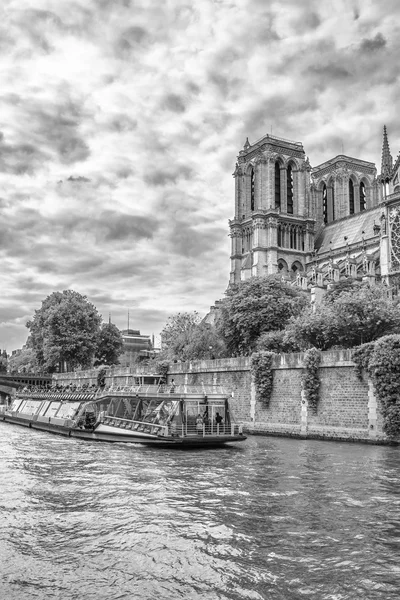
(214, 429)
(150, 389)
(186, 429)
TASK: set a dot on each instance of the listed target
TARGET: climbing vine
(361, 357)
(382, 363)
(261, 369)
(162, 369)
(310, 378)
(101, 377)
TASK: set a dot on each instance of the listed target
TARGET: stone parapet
(347, 408)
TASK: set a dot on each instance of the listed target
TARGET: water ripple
(275, 518)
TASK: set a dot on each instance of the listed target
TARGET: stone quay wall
(347, 409)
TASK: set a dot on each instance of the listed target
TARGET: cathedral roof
(354, 228)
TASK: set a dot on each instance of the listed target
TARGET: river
(272, 518)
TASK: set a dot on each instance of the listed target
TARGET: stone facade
(315, 225)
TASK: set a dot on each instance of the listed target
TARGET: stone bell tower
(273, 227)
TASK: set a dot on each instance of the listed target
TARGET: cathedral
(314, 225)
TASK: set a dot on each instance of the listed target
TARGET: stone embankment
(347, 408)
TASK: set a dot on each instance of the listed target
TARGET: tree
(254, 307)
(205, 343)
(109, 345)
(177, 333)
(24, 362)
(355, 316)
(186, 337)
(65, 329)
(3, 362)
(278, 341)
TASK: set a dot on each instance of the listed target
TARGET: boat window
(68, 410)
(53, 408)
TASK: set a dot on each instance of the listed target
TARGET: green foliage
(186, 337)
(381, 359)
(384, 369)
(261, 369)
(344, 285)
(3, 362)
(65, 328)
(277, 341)
(161, 368)
(310, 378)
(109, 345)
(24, 362)
(355, 316)
(361, 356)
(101, 377)
(254, 307)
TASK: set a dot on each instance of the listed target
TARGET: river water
(272, 518)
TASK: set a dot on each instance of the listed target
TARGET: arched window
(325, 203)
(252, 186)
(351, 196)
(277, 185)
(289, 195)
(363, 198)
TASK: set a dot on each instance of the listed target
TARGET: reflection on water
(270, 519)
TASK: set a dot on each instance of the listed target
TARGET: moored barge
(152, 415)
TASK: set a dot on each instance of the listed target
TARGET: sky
(121, 122)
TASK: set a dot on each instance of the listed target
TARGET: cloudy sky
(121, 120)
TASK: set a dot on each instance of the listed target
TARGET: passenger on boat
(207, 421)
(199, 424)
(218, 421)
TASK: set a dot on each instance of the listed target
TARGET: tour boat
(138, 414)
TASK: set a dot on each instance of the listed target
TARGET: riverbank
(347, 410)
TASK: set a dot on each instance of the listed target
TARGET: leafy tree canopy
(109, 345)
(254, 307)
(3, 362)
(186, 337)
(355, 316)
(65, 328)
(24, 362)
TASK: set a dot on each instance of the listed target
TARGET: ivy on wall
(261, 370)
(101, 377)
(381, 359)
(162, 370)
(310, 378)
(361, 357)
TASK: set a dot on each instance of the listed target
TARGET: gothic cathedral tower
(273, 227)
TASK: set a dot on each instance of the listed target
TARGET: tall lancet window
(325, 203)
(252, 188)
(363, 198)
(277, 185)
(351, 196)
(290, 186)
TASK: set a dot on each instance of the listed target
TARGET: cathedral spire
(387, 160)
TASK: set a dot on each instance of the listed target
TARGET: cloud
(373, 44)
(121, 122)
